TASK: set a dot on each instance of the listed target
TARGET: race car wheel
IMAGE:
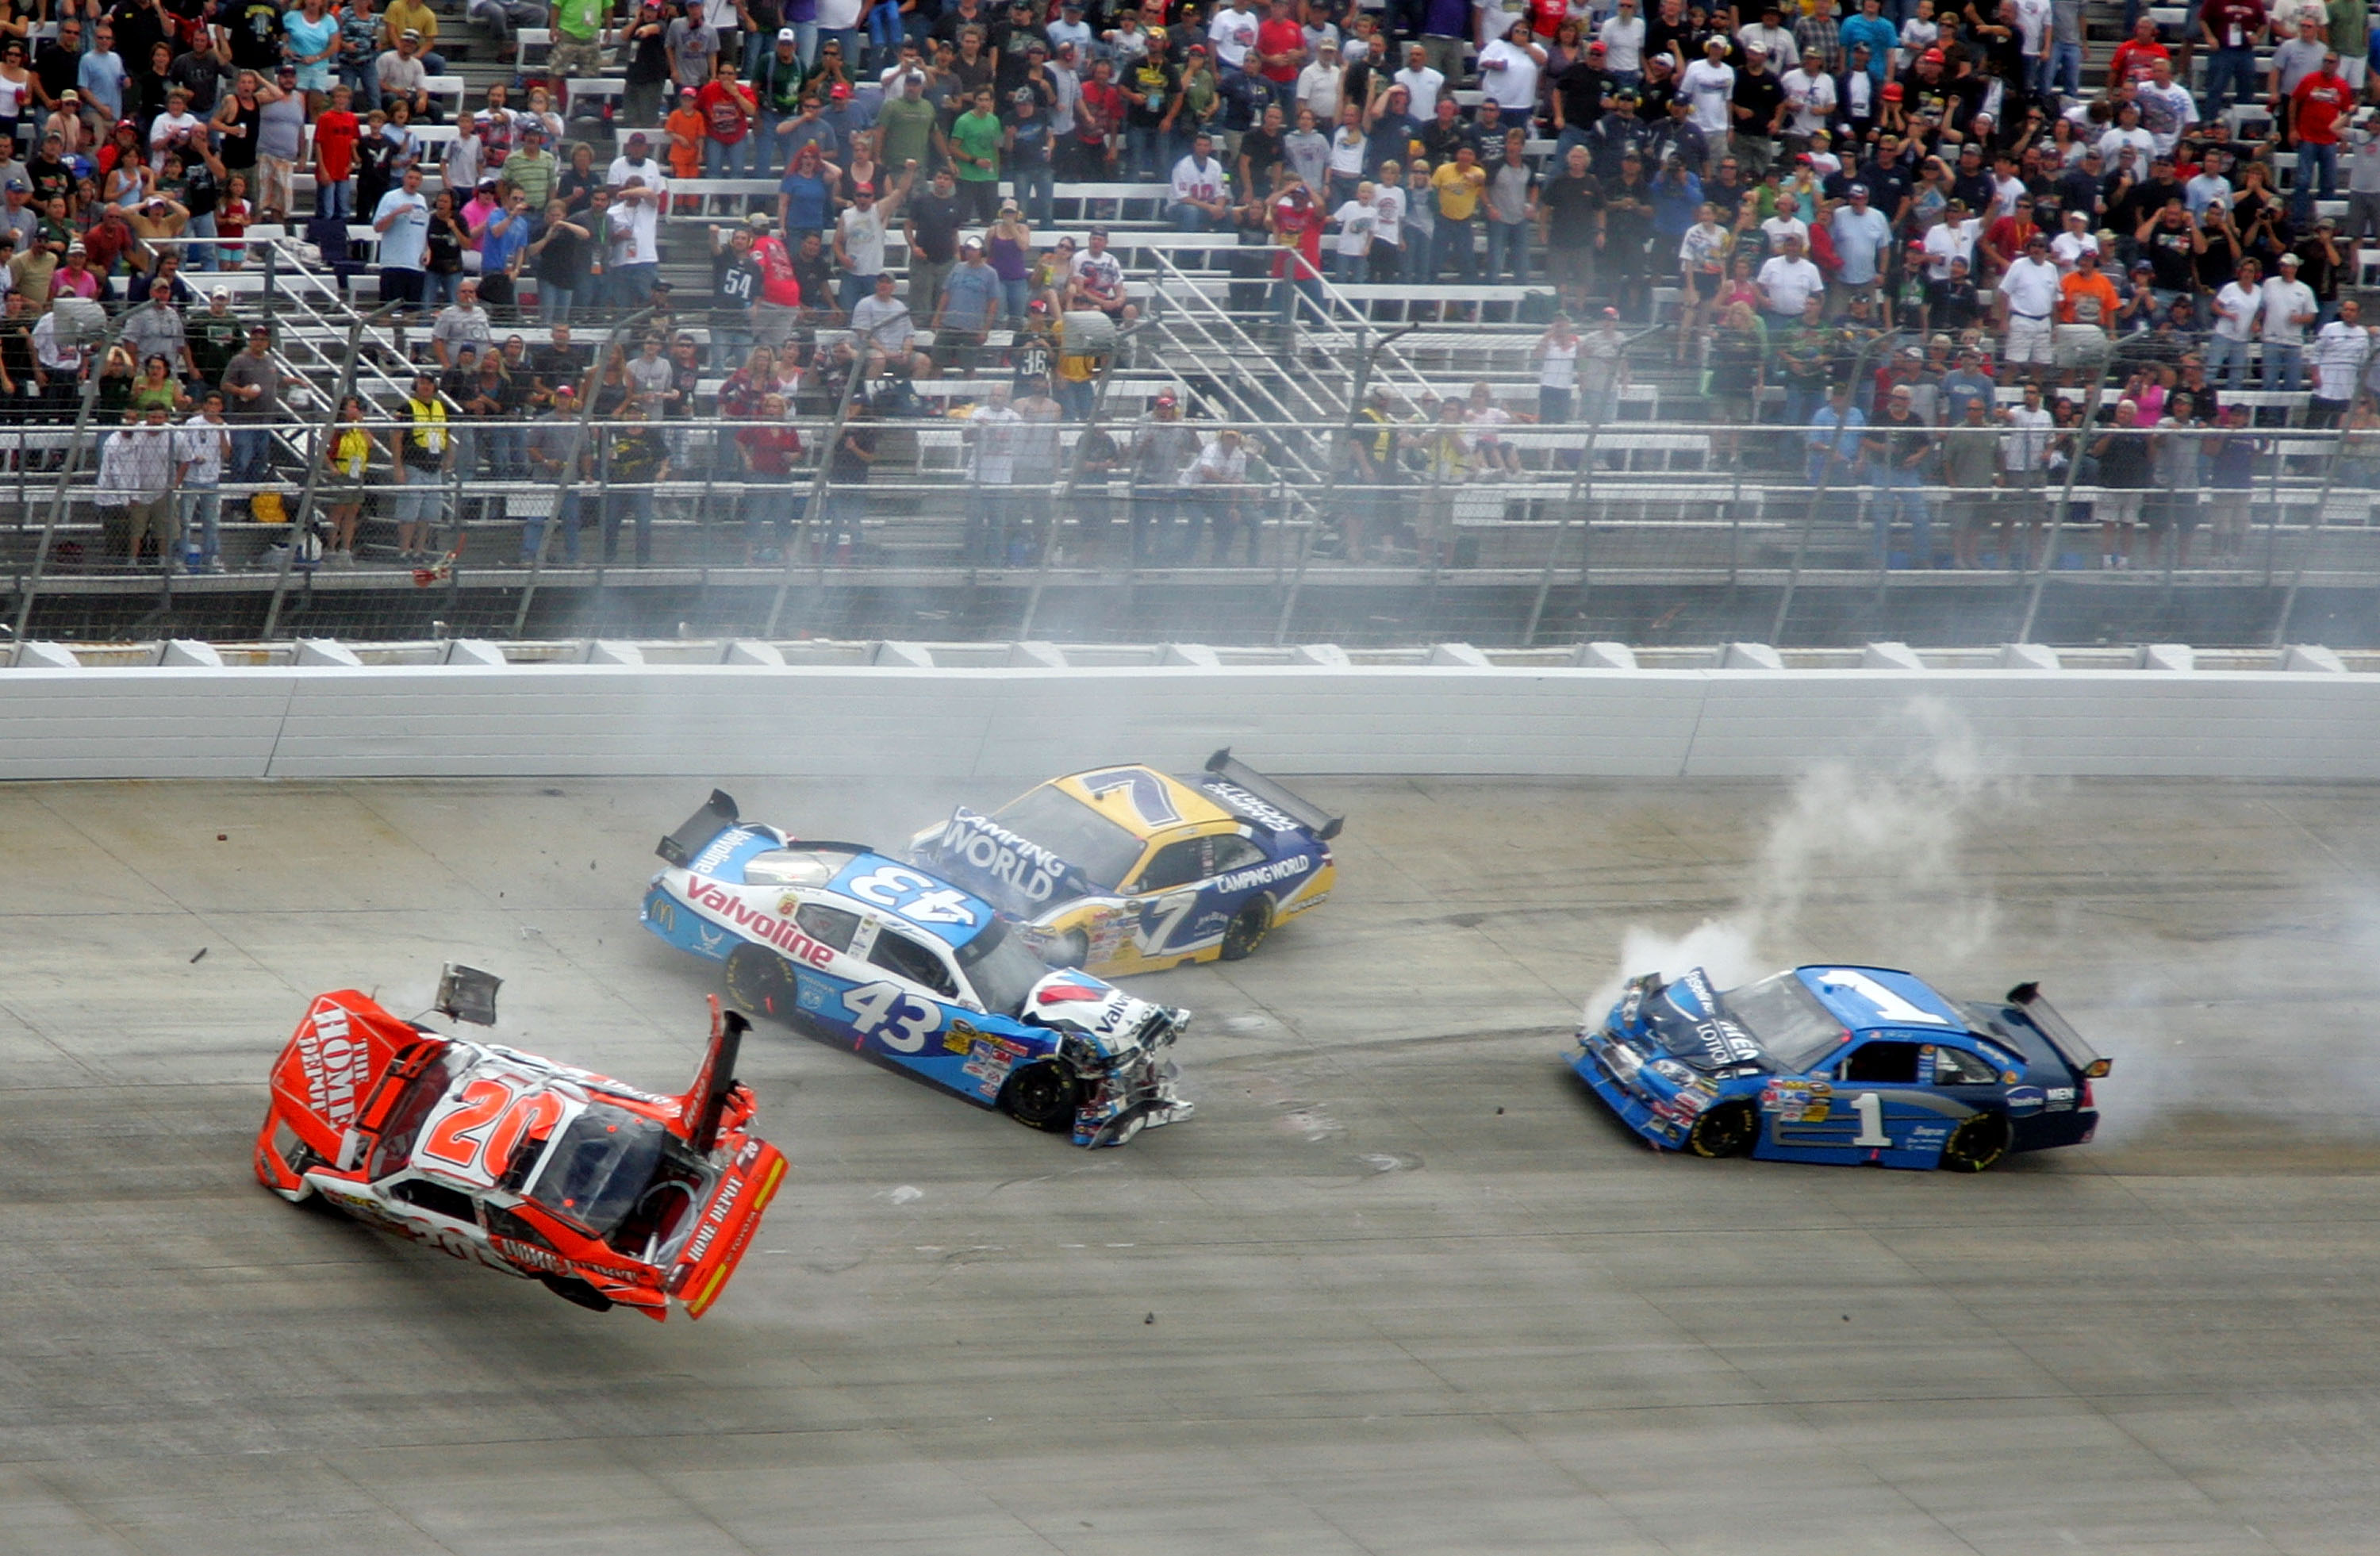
(1042, 1096)
(1977, 1145)
(761, 982)
(1248, 931)
(1728, 1129)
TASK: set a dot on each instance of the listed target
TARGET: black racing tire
(1247, 931)
(761, 982)
(1728, 1129)
(1042, 1097)
(1977, 1144)
(578, 1293)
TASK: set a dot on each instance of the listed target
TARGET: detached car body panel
(1127, 870)
(607, 1194)
(910, 971)
(1841, 1066)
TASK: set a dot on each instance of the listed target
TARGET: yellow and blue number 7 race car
(1127, 869)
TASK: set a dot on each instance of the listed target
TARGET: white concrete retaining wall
(716, 721)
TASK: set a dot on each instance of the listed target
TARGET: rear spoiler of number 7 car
(2079, 1055)
(1305, 812)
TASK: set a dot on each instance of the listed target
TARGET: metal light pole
(562, 483)
(1357, 394)
(1818, 496)
(305, 513)
(83, 338)
(1074, 475)
(2066, 497)
(818, 489)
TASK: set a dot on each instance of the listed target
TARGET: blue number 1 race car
(851, 946)
(1841, 1065)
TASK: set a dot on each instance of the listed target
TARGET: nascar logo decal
(336, 1066)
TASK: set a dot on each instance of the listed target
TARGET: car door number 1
(1870, 1109)
(893, 1015)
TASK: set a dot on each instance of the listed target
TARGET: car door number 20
(479, 1135)
(893, 1015)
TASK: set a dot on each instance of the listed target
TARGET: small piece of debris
(1500, 1112)
(201, 956)
(223, 837)
(1150, 1319)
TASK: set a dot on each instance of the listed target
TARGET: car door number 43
(893, 1015)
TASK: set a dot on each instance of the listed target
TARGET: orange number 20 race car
(607, 1194)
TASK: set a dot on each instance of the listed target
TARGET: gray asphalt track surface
(1400, 1286)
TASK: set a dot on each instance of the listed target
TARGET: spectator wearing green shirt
(531, 168)
(777, 83)
(906, 124)
(577, 41)
(973, 150)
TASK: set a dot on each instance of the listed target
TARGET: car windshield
(1784, 1018)
(1001, 969)
(600, 1167)
(1103, 851)
(404, 1120)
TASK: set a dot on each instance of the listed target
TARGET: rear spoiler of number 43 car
(716, 816)
(1305, 812)
(2079, 1055)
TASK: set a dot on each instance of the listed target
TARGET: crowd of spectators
(1900, 203)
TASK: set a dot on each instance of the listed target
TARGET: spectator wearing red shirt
(1297, 222)
(1280, 47)
(2312, 119)
(770, 449)
(2135, 51)
(728, 109)
(335, 131)
(2230, 29)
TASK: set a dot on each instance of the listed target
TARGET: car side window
(1235, 853)
(896, 952)
(830, 926)
(1956, 1066)
(1176, 864)
(1885, 1062)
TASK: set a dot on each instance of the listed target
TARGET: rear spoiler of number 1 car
(2084, 1060)
(1324, 825)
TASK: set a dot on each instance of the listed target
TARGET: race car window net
(1103, 851)
(1176, 864)
(1957, 1067)
(1785, 1018)
(793, 867)
(412, 1110)
(896, 952)
(830, 926)
(1003, 971)
(600, 1167)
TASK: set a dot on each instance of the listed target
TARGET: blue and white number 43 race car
(854, 947)
(1841, 1065)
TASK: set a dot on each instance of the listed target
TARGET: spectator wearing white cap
(2288, 308)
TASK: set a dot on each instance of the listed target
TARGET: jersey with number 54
(869, 951)
(1841, 1065)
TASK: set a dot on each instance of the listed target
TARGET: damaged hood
(1118, 1025)
(1686, 1022)
(326, 1072)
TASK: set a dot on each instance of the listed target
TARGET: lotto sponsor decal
(337, 1067)
(759, 923)
(1265, 875)
(1001, 855)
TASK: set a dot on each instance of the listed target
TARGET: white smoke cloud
(1883, 829)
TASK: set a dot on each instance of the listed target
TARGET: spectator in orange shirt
(686, 129)
(2086, 313)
